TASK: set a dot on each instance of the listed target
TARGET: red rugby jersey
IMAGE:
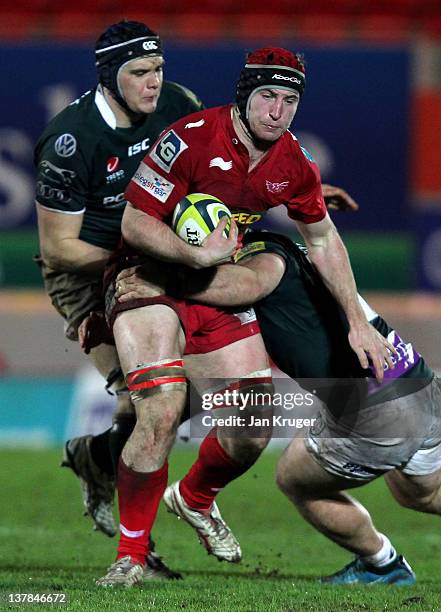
(202, 154)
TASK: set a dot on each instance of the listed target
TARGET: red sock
(139, 495)
(210, 473)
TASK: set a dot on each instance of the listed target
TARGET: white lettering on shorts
(246, 316)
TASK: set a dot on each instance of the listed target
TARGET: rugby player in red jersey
(244, 155)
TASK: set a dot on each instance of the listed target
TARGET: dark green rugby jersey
(84, 162)
(306, 333)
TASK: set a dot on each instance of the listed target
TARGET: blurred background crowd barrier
(370, 116)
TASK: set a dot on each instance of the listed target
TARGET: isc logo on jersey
(167, 151)
(153, 182)
(197, 215)
(138, 147)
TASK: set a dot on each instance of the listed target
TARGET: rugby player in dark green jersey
(85, 158)
(391, 429)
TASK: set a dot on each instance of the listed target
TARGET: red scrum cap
(269, 67)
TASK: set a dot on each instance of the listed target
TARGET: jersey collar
(104, 109)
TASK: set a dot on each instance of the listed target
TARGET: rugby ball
(197, 215)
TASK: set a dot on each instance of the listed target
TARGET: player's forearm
(153, 237)
(229, 285)
(331, 259)
(75, 255)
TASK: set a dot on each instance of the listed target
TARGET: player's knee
(158, 421)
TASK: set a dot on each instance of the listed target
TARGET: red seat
(160, 7)
(24, 6)
(392, 7)
(385, 28)
(323, 28)
(337, 8)
(200, 27)
(274, 9)
(156, 21)
(20, 25)
(432, 26)
(69, 25)
(261, 27)
(82, 6)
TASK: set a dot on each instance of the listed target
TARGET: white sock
(384, 556)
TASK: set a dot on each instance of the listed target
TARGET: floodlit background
(371, 117)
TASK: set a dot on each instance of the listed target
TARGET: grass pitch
(47, 547)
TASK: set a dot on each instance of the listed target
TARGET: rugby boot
(124, 572)
(97, 487)
(398, 572)
(212, 530)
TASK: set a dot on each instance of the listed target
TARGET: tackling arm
(228, 285)
(242, 284)
(61, 248)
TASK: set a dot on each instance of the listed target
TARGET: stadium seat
(200, 27)
(212, 7)
(275, 9)
(157, 21)
(68, 25)
(385, 28)
(27, 6)
(323, 28)
(432, 26)
(21, 25)
(261, 27)
(142, 6)
(83, 6)
(393, 7)
(337, 8)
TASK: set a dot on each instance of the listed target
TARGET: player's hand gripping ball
(197, 215)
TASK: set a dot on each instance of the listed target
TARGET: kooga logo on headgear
(281, 77)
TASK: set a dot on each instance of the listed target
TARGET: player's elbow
(52, 256)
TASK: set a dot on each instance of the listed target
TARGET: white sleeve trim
(369, 312)
(63, 212)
